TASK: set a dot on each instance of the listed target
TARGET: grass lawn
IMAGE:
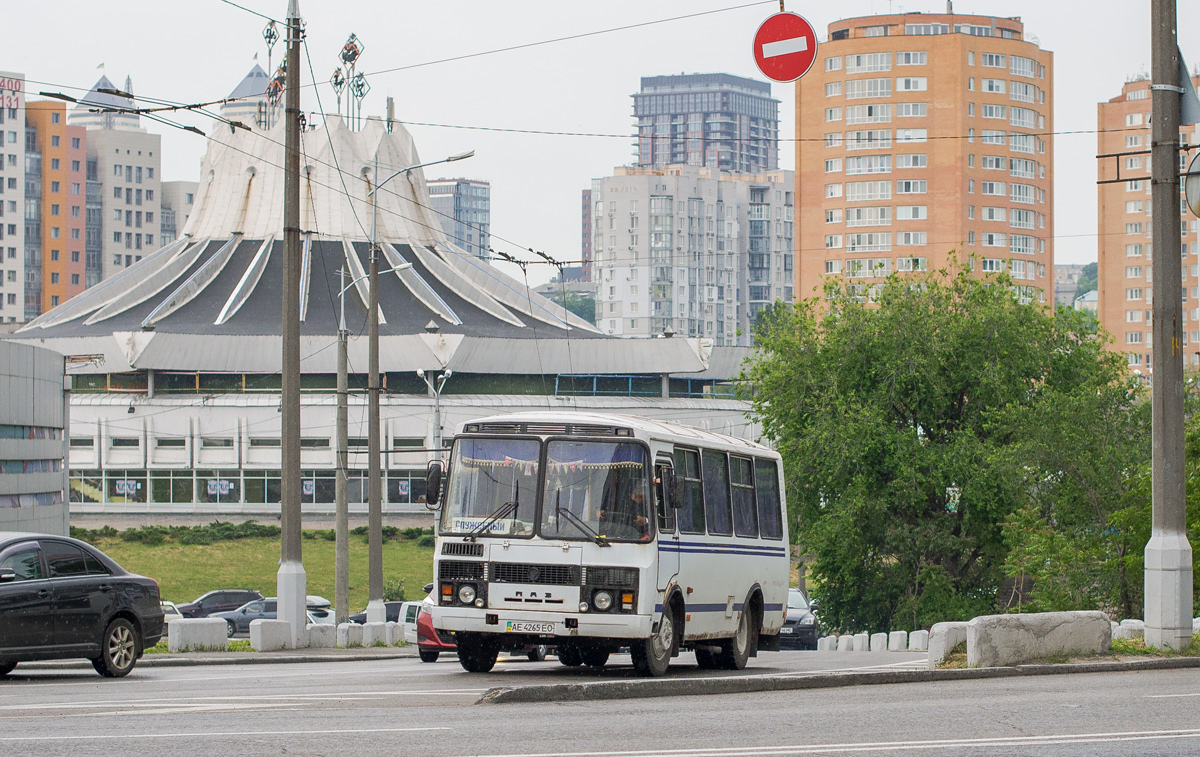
(185, 571)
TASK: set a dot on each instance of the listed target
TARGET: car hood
(803, 617)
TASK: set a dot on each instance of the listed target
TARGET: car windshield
(492, 479)
(796, 600)
(596, 490)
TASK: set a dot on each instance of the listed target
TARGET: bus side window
(691, 506)
(666, 513)
(741, 480)
(766, 485)
(715, 468)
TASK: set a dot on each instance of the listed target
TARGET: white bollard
(322, 636)
(270, 635)
(845, 643)
(1132, 629)
(879, 642)
(898, 641)
(1114, 625)
(918, 641)
(373, 634)
(198, 635)
(1195, 625)
(349, 635)
(862, 642)
(395, 633)
(943, 638)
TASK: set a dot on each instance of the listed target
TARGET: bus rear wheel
(652, 657)
(735, 652)
(476, 653)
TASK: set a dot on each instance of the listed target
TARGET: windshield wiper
(499, 513)
(576, 521)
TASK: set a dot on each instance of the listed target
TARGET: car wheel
(538, 653)
(6, 668)
(652, 657)
(119, 649)
(568, 654)
(735, 652)
(595, 657)
(230, 628)
(428, 655)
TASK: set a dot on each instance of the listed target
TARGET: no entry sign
(785, 47)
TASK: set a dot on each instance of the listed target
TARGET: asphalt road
(403, 706)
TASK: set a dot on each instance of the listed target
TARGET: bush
(146, 534)
(426, 541)
(393, 590)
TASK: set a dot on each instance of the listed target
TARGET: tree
(895, 418)
(579, 304)
(1086, 281)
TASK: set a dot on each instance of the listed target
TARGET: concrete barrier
(270, 635)
(374, 633)
(1130, 629)
(322, 636)
(198, 635)
(1113, 626)
(845, 643)
(879, 642)
(395, 633)
(995, 640)
(943, 638)
(918, 641)
(349, 635)
(898, 641)
(1195, 625)
(862, 642)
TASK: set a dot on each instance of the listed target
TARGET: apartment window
(1133, 250)
(995, 111)
(1134, 316)
(1133, 337)
(833, 190)
(992, 85)
(861, 191)
(833, 88)
(833, 165)
(875, 241)
(910, 187)
(1133, 186)
(991, 137)
(998, 188)
(833, 242)
(1135, 358)
(993, 239)
(911, 110)
(914, 58)
(970, 110)
(1133, 271)
(1133, 294)
(868, 62)
(924, 30)
(53, 278)
(868, 164)
(874, 31)
(74, 143)
(1019, 66)
(993, 60)
(1021, 143)
(864, 114)
(1022, 168)
(1133, 140)
(1020, 193)
(1134, 162)
(1018, 269)
(911, 135)
(970, 212)
(54, 140)
(54, 256)
(993, 163)
(833, 139)
(1021, 91)
(118, 170)
(834, 63)
(869, 216)
(1020, 244)
(833, 215)
(1022, 117)
(1133, 228)
(833, 114)
(1133, 119)
(912, 160)
(991, 265)
(909, 265)
(149, 172)
(1021, 219)
(861, 88)
(75, 212)
(833, 267)
(912, 213)
(54, 209)
(911, 84)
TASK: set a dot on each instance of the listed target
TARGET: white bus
(593, 533)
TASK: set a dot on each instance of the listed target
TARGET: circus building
(175, 360)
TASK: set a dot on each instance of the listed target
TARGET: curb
(750, 684)
(224, 658)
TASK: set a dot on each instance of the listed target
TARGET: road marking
(1170, 696)
(164, 702)
(885, 746)
(785, 47)
(227, 734)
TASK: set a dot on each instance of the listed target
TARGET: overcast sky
(201, 49)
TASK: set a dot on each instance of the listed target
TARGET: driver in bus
(625, 516)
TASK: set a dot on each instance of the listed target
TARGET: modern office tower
(713, 250)
(1125, 250)
(722, 121)
(177, 200)
(922, 136)
(12, 197)
(127, 167)
(249, 103)
(464, 207)
(585, 241)
(55, 154)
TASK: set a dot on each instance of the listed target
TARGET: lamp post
(435, 391)
(376, 611)
(341, 571)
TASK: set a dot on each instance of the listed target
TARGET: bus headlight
(602, 600)
(466, 594)
(583, 606)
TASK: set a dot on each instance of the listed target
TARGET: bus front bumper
(590, 625)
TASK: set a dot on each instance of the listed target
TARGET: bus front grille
(460, 569)
(462, 549)
(526, 573)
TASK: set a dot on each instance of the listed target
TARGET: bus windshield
(492, 478)
(596, 490)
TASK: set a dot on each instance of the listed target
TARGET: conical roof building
(248, 101)
(92, 110)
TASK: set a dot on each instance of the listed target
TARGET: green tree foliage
(579, 304)
(899, 423)
(1086, 281)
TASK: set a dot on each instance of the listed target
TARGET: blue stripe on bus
(674, 549)
(717, 607)
(763, 549)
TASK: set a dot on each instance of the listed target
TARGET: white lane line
(785, 47)
(884, 746)
(192, 701)
(1170, 696)
(126, 736)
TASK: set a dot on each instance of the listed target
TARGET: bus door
(668, 536)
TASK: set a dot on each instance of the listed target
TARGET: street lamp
(435, 391)
(376, 611)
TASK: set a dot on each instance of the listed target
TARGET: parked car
(62, 598)
(214, 602)
(170, 613)
(238, 621)
(392, 609)
(320, 610)
(799, 622)
(431, 643)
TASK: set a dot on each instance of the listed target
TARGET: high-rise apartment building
(1124, 270)
(55, 156)
(585, 241)
(176, 206)
(464, 206)
(722, 121)
(127, 160)
(691, 249)
(12, 197)
(923, 135)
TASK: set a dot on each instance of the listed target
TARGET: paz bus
(595, 533)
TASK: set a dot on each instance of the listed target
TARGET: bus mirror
(433, 484)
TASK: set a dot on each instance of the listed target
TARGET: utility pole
(1168, 554)
(292, 585)
(376, 610)
(341, 559)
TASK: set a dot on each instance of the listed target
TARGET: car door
(84, 594)
(252, 611)
(26, 602)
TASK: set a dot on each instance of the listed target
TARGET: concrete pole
(1168, 554)
(292, 584)
(341, 560)
(376, 611)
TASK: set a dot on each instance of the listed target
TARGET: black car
(62, 598)
(217, 601)
(393, 613)
(799, 622)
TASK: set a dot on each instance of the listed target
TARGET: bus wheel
(735, 652)
(568, 654)
(595, 657)
(476, 654)
(652, 657)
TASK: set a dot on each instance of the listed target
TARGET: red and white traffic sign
(785, 47)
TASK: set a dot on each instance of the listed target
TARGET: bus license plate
(517, 626)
